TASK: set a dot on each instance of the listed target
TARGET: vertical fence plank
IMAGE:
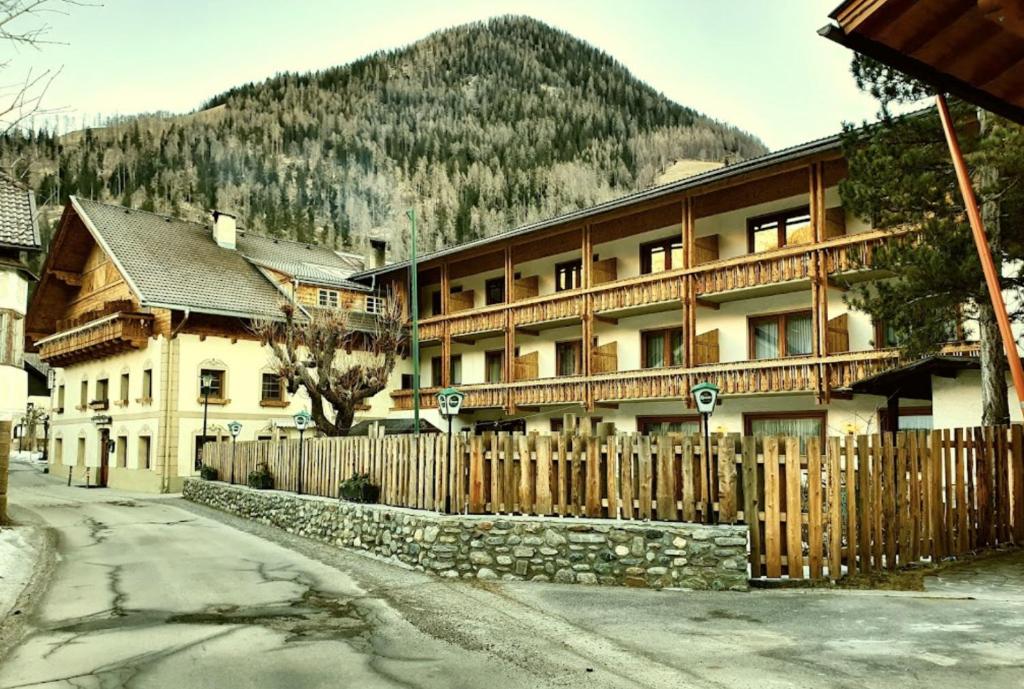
(626, 471)
(593, 476)
(903, 499)
(815, 510)
(772, 509)
(852, 499)
(866, 503)
(751, 501)
(794, 522)
(835, 512)
(543, 505)
(610, 444)
(665, 491)
(644, 473)
(1017, 482)
(948, 511)
(890, 524)
(727, 498)
(687, 477)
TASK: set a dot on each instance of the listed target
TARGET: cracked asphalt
(157, 592)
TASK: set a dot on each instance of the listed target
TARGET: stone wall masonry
(564, 550)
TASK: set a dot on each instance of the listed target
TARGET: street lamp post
(705, 396)
(234, 428)
(46, 442)
(205, 384)
(302, 420)
(449, 402)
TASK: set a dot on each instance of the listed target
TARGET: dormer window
(327, 298)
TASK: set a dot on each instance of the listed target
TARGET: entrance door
(105, 458)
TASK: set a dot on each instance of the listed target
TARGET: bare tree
(341, 356)
(23, 25)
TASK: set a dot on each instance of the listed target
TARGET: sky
(757, 64)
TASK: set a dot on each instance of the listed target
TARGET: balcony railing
(789, 375)
(103, 337)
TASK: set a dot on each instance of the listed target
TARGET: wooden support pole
(446, 339)
(984, 251)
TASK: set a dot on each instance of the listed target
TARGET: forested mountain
(482, 127)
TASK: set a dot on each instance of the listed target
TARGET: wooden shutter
(524, 288)
(605, 359)
(604, 271)
(838, 334)
(705, 249)
(706, 348)
(526, 366)
(835, 222)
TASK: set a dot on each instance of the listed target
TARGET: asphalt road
(157, 592)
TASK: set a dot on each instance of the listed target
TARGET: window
(124, 388)
(494, 366)
(662, 347)
(122, 450)
(271, 388)
(494, 290)
(83, 396)
(435, 303)
(200, 441)
(12, 337)
(885, 336)
(568, 275)
(558, 423)
(58, 451)
(569, 358)
(327, 298)
(779, 335)
(102, 392)
(80, 458)
(664, 254)
(147, 384)
(911, 419)
(455, 368)
(407, 381)
(60, 398)
(435, 372)
(775, 230)
(374, 304)
(145, 459)
(216, 383)
(654, 425)
(801, 424)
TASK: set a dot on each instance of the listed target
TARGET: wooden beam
(714, 306)
(606, 319)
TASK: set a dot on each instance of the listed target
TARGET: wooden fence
(858, 504)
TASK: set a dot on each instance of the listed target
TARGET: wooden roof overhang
(913, 380)
(973, 49)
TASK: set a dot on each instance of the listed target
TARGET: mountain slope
(481, 127)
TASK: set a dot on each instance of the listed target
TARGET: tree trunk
(995, 405)
(5, 451)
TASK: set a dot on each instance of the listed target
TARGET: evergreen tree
(901, 176)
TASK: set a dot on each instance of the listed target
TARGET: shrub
(261, 478)
(359, 489)
(208, 472)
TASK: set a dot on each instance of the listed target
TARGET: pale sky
(757, 64)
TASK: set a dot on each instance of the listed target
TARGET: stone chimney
(224, 229)
(377, 254)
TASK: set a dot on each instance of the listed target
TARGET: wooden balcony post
(819, 279)
(688, 289)
(446, 289)
(510, 330)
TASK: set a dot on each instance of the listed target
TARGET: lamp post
(205, 384)
(234, 428)
(449, 402)
(301, 422)
(705, 396)
(46, 442)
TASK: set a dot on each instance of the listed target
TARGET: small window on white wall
(327, 298)
(12, 334)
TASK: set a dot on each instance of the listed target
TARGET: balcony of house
(104, 332)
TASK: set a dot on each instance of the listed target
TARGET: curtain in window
(456, 372)
(566, 360)
(494, 369)
(766, 340)
(677, 348)
(798, 335)
(654, 357)
(916, 422)
(660, 427)
(788, 426)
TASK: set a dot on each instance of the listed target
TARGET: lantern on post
(234, 428)
(449, 403)
(302, 420)
(705, 397)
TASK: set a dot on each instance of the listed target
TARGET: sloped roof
(18, 227)
(172, 263)
(307, 262)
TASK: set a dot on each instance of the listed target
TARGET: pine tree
(901, 176)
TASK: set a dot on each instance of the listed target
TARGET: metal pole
(988, 267)
(233, 439)
(206, 406)
(414, 309)
(707, 462)
(299, 482)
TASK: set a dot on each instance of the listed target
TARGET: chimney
(224, 229)
(378, 253)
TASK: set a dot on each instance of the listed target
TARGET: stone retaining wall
(582, 551)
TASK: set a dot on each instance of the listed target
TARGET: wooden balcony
(771, 376)
(478, 324)
(634, 296)
(103, 337)
(549, 311)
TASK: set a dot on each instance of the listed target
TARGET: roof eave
(804, 150)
